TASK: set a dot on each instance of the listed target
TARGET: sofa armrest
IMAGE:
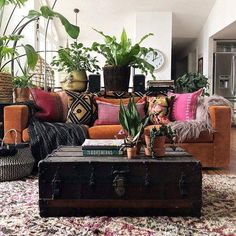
(220, 117)
(15, 117)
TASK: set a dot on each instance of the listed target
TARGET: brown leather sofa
(212, 149)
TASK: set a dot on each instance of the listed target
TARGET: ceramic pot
(131, 152)
(22, 94)
(76, 81)
(116, 78)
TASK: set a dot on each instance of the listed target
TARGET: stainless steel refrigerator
(225, 77)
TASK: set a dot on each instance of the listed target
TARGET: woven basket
(17, 166)
(6, 87)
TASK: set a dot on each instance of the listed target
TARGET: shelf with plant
(120, 56)
(76, 60)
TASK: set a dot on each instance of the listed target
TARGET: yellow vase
(76, 81)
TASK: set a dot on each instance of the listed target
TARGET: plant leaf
(32, 56)
(72, 30)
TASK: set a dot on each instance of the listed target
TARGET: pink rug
(19, 214)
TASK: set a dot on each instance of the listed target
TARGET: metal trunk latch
(56, 186)
(183, 185)
(119, 182)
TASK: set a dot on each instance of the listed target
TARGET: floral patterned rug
(19, 214)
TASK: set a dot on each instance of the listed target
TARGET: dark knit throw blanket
(45, 136)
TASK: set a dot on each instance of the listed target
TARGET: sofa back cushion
(49, 105)
(159, 107)
(108, 112)
(185, 105)
(82, 108)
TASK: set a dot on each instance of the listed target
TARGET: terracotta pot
(76, 81)
(148, 152)
(116, 78)
(131, 152)
(22, 94)
(158, 145)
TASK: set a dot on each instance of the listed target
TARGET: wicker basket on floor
(18, 166)
(6, 87)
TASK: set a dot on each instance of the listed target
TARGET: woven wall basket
(6, 87)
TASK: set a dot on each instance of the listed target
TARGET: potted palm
(155, 140)
(75, 60)
(120, 56)
(133, 125)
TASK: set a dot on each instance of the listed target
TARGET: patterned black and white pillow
(81, 108)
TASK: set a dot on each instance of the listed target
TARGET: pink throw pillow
(108, 114)
(49, 105)
(185, 105)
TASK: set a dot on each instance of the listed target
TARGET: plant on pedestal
(75, 60)
(120, 56)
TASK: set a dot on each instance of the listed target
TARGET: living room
(117, 117)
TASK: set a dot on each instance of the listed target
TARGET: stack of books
(160, 85)
(102, 147)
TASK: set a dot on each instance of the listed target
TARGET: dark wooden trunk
(116, 78)
(73, 185)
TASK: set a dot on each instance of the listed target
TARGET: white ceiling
(188, 15)
(228, 32)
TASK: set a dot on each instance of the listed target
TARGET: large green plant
(10, 44)
(131, 121)
(123, 53)
(76, 57)
(191, 82)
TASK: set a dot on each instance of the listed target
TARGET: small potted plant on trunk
(75, 60)
(120, 56)
(155, 140)
(133, 125)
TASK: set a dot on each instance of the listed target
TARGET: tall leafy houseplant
(75, 60)
(191, 82)
(120, 56)
(10, 44)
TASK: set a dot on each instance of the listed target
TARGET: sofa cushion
(104, 131)
(108, 113)
(185, 105)
(64, 101)
(159, 108)
(49, 105)
(82, 108)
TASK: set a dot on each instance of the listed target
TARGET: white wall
(222, 14)
(159, 23)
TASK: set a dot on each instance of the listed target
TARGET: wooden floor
(232, 167)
